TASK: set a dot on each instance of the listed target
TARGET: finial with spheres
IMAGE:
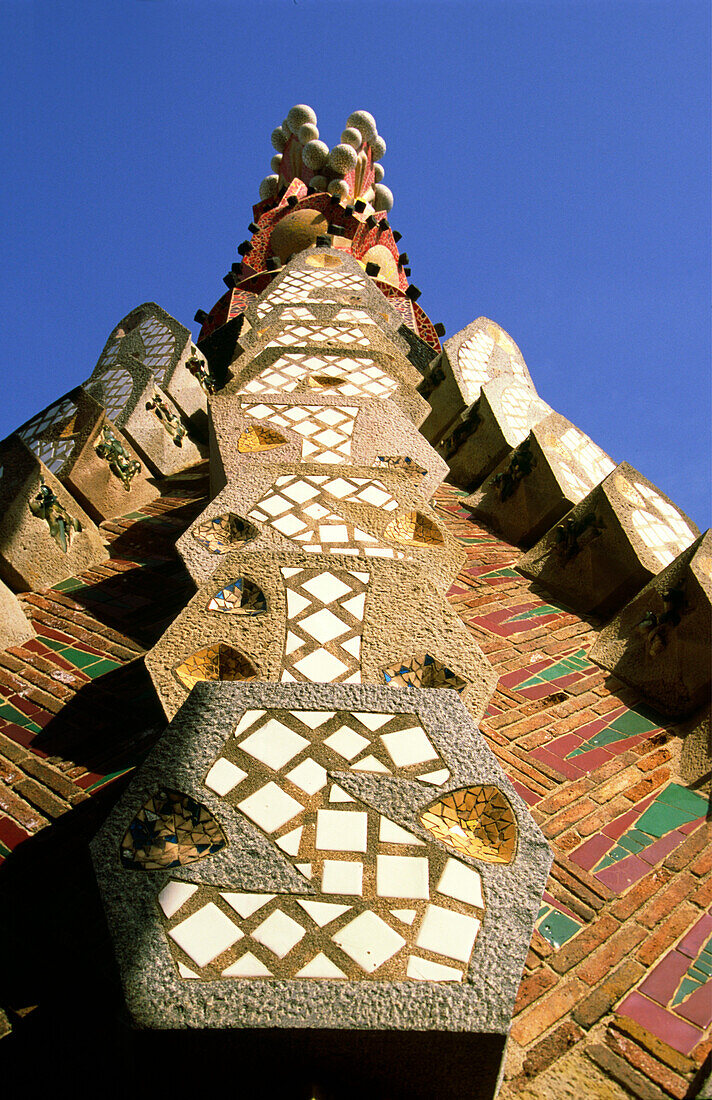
(349, 170)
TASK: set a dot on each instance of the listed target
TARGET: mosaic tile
(326, 430)
(403, 463)
(557, 928)
(423, 671)
(477, 821)
(414, 529)
(222, 534)
(170, 830)
(240, 597)
(259, 437)
(215, 662)
(325, 610)
(350, 376)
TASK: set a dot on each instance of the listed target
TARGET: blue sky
(549, 162)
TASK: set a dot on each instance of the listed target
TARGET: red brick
(568, 841)
(563, 820)
(607, 791)
(648, 785)
(534, 987)
(655, 1071)
(632, 901)
(584, 943)
(18, 809)
(608, 993)
(666, 933)
(666, 901)
(703, 864)
(564, 866)
(51, 778)
(654, 759)
(605, 958)
(653, 1045)
(551, 1048)
(697, 842)
(703, 894)
(547, 1012)
(620, 1071)
(563, 797)
(41, 797)
(602, 815)
(11, 750)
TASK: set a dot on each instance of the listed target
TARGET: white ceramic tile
(313, 718)
(270, 807)
(326, 587)
(342, 876)
(320, 967)
(370, 720)
(355, 606)
(186, 972)
(293, 643)
(290, 842)
(248, 966)
(346, 742)
(369, 941)
(248, 719)
(333, 533)
(405, 915)
(322, 912)
(410, 746)
(324, 626)
(461, 882)
(436, 778)
(223, 776)
(370, 764)
(336, 794)
(274, 744)
(296, 603)
(390, 833)
(321, 666)
(304, 869)
(246, 904)
(353, 646)
(309, 776)
(288, 525)
(279, 933)
(341, 830)
(402, 877)
(173, 895)
(426, 971)
(206, 934)
(448, 933)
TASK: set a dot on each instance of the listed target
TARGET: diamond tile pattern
(325, 430)
(325, 610)
(352, 377)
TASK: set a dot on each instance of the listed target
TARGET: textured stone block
(319, 618)
(45, 535)
(65, 437)
(610, 544)
(258, 878)
(15, 627)
(498, 421)
(137, 405)
(358, 511)
(321, 427)
(469, 359)
(540, 481)
(165, 347)
(659, 642)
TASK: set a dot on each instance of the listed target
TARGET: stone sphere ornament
(339, 188)
(352, 136)
(365, 123)
(378, 172)
(279, 140)
(308, 132)
(300, 115)
(276, 163)
(378, 148)
(342, 159)
(315, 154)
(319, 183)
(384, 197)
(268, 187)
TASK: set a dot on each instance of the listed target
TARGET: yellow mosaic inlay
(170, 830)
(322, 381)
(258, 437)
(415, 529)
(216, 662)
(221, 534)
(475, 821)
(323, 259)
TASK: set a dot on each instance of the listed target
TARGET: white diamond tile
(321, 666)
(405, 915)
(448, 933)
(336, 794)
(369, 941)
(410, 746)
(341, 831)
(461, 882)
(248, 719)
(246, 904)
(206, 934)
(320, 967)
(309, 776)
(270, 807)
(324, 626)
(372, 721)
(174, 895)
(370, 764)
(248, 966)
(426, 971)
(279, 933)
(326, 587)
(290, 842)
(274, 744)
(223, 776)
(402, 877)
(346, 742)
(322, 912)
(390, 833)
(313, 718)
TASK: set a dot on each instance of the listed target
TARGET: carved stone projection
(323, 619)
(469, 360)
(65, 437)
(348, 857)
(145, 414)
(496, 423)
(45, 535)
(555, 467)
(659, 642)
(610, 545)
(152, 338)
(15, 627)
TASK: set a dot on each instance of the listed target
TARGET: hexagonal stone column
(322, 873)
(45, 535)
(659, 642)
(539, 482)
(610, 545)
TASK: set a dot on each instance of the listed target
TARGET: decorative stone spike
(15, 627)
(659, 642)
(610, 545)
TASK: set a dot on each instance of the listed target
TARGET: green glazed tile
(12, 714)
(543, 912)
(686, 987)
(100, 668)
(637, 834)
(613, 856)
(558, 928)
(606, 737)
(704, 966)
(632, 844)
(660, 819)
(631, 722)
(689, 801)
(78, 657)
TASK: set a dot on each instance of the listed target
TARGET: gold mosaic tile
(258, 437)
(415, 529)
(216, 662)
(240, 597)
(170, 830)
(221, 534)
(423, 671)
(475, 821)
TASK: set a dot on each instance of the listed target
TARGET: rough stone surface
(30, 558)
(610, 544)
(659, 642)
(14, 625)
